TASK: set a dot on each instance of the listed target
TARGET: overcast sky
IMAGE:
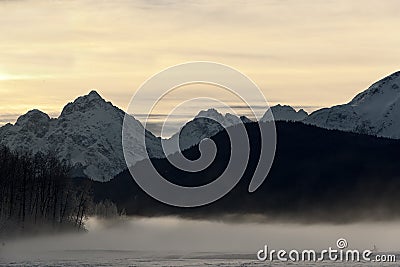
(303, 53)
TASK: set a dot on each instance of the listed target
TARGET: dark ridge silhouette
(318, 175)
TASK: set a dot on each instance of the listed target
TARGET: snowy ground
(143, 259)
(174, 242)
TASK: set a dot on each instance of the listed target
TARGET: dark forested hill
(317, 175)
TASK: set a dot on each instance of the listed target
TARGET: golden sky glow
(303, 53)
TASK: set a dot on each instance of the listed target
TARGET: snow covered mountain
(206, 124)
(375, 111)
(284, 113)
(87, 134)
(209, 122)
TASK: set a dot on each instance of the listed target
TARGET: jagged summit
(94, 94)
(91, 96)
(284, 113)
(87, 134)
(226, 120)
(205, 124)
(210, 113)
(87, 102)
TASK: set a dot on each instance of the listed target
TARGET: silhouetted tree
(36, 191)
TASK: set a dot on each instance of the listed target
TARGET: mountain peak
(226, 120)
(387, 87)
(84, 103)
(374, 111)
(284, 113)
(94, 95)
(211, 112)
(87, 135)
(91, 96)
(35, 112)
(33, 116)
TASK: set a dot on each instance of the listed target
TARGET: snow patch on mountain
(375, 111)
(206, 124)
(87, 134)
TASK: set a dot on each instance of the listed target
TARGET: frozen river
(142, 259)
(177, 242)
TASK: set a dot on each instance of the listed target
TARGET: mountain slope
(209, 122)
(87, 134)
(375, 111)
(206, 124)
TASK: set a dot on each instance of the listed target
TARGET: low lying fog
(173, 234)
